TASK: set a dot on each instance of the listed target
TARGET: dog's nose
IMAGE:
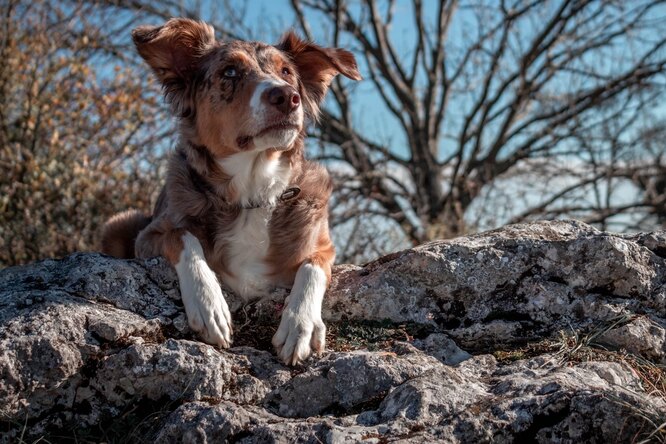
(284, 98)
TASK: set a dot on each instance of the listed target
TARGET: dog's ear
(174, 52)
(316, 68)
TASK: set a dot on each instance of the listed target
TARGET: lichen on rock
(548, 332)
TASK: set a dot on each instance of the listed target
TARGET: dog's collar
(203, 186)
(289, 194)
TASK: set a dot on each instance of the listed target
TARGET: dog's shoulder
(193, 184)
(314, 181)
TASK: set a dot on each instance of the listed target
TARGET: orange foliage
(79, 137)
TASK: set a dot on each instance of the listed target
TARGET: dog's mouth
(281, 126)
(244, 141)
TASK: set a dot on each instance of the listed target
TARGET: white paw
(207, 310)
(301, 329)
(208, 314)
(299, 334)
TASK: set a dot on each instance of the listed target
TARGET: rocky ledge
(548, 332)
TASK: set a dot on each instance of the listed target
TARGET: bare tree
(616, 180)
(480, 90)
(497, 111)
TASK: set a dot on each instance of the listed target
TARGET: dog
(240, 203)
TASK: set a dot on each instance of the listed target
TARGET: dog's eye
(230, 72)
(286, 71)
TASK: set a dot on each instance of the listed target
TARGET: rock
(504, 287)
(345, 381)
(641, 336)
(547, 332)
(173, 370)
(443, 348)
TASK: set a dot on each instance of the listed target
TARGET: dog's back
(120, 232)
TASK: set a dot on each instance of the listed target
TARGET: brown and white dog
(240, 202)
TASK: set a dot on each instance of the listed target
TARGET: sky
(268, 19)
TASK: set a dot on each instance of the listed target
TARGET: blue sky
(268, 19)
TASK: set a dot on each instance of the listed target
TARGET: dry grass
(372, 335)
(258, 328)
(578, 346)
(581, 347)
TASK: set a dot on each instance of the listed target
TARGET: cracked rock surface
(546, 332)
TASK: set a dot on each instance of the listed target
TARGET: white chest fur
(256, 179)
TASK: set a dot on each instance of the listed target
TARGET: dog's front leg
(207, 310)
(301, 329)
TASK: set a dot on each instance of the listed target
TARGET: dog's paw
(207, 310)
(208, 313)
(300, 333)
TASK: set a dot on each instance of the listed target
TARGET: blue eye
(230, 72)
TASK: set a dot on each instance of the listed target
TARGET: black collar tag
(290, 193)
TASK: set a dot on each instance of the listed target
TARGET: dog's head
(239, 96)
